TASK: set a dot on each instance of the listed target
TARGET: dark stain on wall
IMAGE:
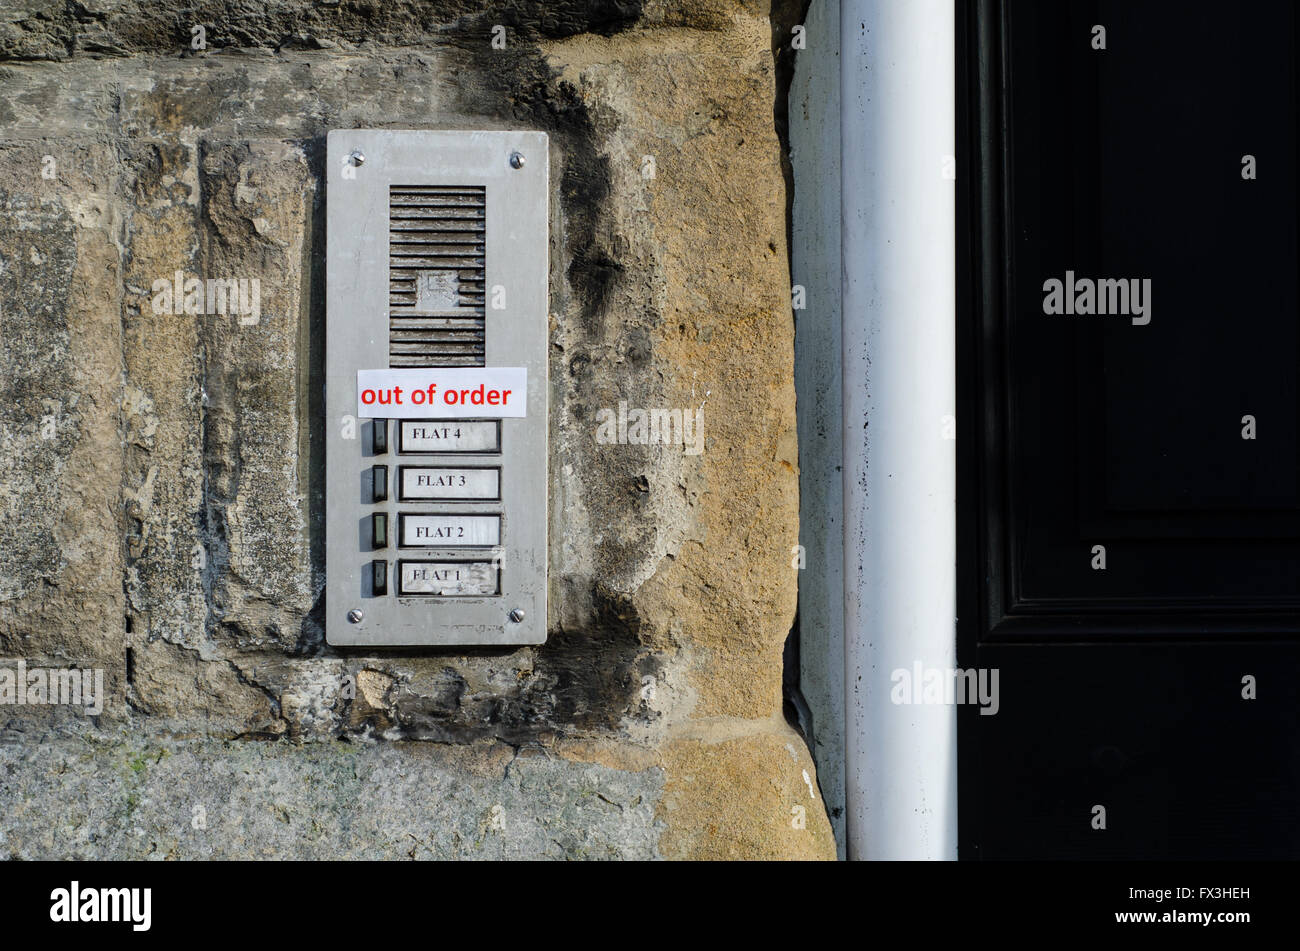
(58, 33)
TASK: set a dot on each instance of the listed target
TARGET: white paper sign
(443, 393)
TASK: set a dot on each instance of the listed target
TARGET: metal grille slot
(436, 275)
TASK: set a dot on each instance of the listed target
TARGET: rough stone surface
(780, 815)
(162, 474)
(208, 800)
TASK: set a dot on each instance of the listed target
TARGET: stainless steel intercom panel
(436, 388)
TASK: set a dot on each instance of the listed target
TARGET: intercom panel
(436, 388)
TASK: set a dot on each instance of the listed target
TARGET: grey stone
(137, 798)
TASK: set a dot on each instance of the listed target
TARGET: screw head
(358, 157)
(517, 615)
(355, 615)
(516, 160)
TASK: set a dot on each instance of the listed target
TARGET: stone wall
(162, 475)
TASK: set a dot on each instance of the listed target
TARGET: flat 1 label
(450, 482)
(449, 435)
(447, 578)
(450, 531)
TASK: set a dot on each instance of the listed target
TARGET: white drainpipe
(899, 301)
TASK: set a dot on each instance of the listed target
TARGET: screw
(516, 160)
(517, 615)
(358, 157)
(355, 615)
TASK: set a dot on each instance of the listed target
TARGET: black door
(1129, 501)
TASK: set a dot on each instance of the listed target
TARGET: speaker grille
(436, 275)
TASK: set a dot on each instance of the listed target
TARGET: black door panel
(1127, 556)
